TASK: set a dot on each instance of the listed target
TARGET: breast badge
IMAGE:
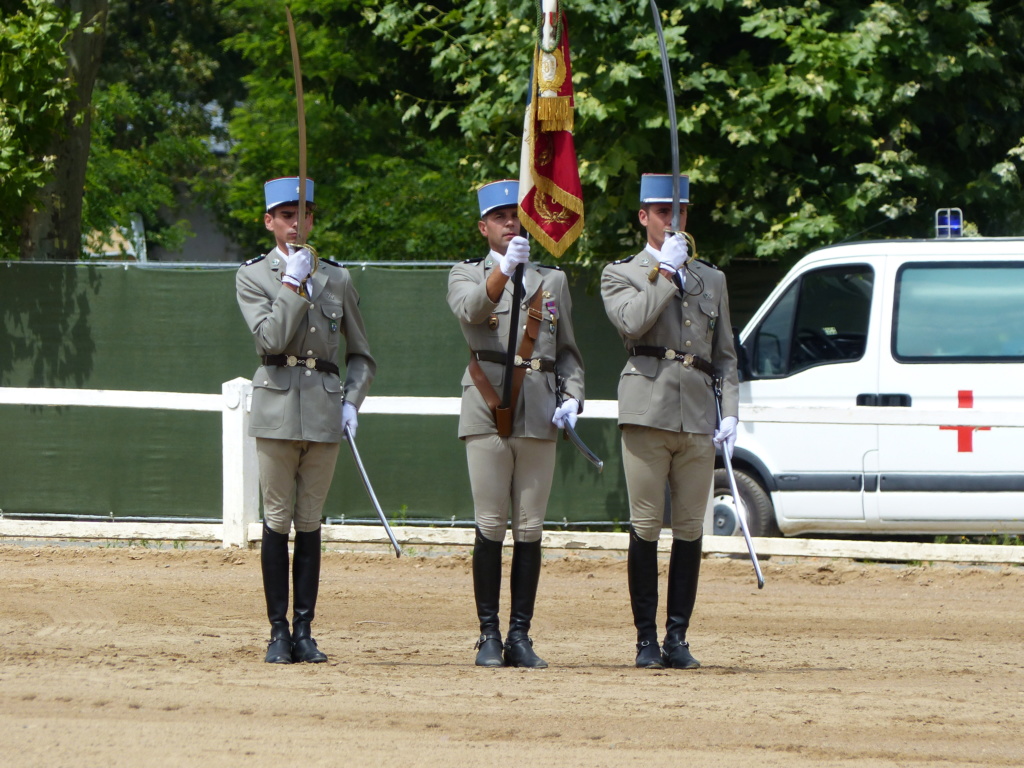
(552, 313)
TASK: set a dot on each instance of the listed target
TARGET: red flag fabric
(550, 195)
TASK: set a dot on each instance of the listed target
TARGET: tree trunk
(55, 231)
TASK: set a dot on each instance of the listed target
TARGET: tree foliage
(802, 123)
(34, 95)
(163, 90)
(387, 186)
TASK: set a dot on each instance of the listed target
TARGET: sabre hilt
(689, 241)
(315, 263)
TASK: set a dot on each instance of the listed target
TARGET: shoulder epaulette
(706, 263)
(329, 261)
(549, 266)
(254, 261)
(473, 261)
(625, 260)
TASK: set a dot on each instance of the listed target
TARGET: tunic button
(265, 382)
(334, 314)
(688, 342)
(632, 370)
(687, 323)
(309, 372)
(686, 303)
(309, 352)
(313, 329)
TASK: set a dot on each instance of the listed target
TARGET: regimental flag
(550, 195)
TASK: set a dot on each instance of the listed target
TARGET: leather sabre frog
(503, 416)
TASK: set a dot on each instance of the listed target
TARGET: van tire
(760, 512)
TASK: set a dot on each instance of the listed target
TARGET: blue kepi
(286, 190)
(657, 188)
(497, 194)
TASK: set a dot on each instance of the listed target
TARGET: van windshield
(821, 319)
(959, 311)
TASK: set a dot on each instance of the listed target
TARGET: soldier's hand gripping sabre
(735, 492)
(576, 440)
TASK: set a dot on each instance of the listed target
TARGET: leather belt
(292, 361)
(664, 353)
(533, 363)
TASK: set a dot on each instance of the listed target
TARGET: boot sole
(687, 665)
(650, 665)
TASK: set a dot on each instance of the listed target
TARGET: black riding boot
(274, 564)
(306, 576)
(683, 570)
(486, 590)
(525, 577)
(642, 571)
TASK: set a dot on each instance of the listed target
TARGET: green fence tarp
(180, 330)
(126, 327)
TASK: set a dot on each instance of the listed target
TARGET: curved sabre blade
(670, 97)
(300, 103)
(588, 454)
(736, 495)
(369, 489)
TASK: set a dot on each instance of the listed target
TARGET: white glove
(518, 253)
(726, 433)
(300, 263)
(675, 251)
(568, 411)
(348, 418)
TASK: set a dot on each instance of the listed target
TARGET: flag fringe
(555, 247)
(555, 113)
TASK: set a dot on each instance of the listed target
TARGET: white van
(919, 324)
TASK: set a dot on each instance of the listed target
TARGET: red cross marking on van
(965, 435)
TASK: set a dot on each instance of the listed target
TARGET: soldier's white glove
(567, 412)
(300, 263)
(518, 253)
(349, 418)
(725, 435)
(675, 252)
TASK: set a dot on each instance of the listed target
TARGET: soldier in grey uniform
(298, 308)
(512, 472)
(672, 313)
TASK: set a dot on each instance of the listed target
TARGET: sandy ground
(131, 656)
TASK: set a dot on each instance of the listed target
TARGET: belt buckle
(687, 360)
(535, 363)
(519, 361)
(311, 362)
(292, 361)
(670, 354)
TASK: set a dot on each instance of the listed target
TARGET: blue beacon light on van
(949, 222)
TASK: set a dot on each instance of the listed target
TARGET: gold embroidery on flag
(554, 112)
(552, 217)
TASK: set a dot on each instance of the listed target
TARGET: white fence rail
(240, 522)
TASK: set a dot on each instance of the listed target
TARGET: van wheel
(754, 500)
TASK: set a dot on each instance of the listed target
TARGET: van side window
(822, 318)
(959, 311)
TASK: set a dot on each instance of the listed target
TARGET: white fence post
(240, 470)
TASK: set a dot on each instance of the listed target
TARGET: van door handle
(886, 399)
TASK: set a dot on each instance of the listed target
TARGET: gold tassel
(555, 113)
